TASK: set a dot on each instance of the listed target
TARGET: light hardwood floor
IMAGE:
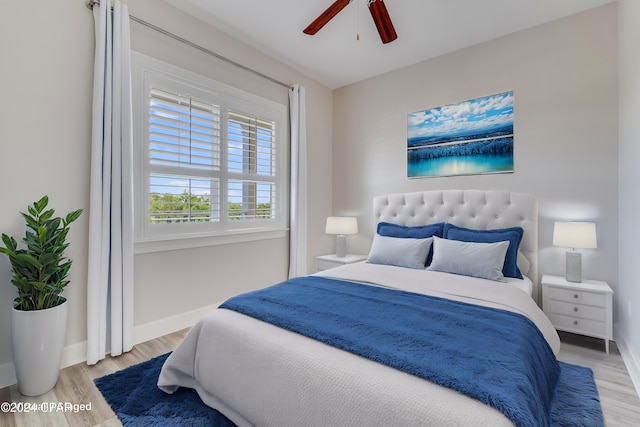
(620, 403)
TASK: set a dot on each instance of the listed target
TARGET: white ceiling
(426, 29)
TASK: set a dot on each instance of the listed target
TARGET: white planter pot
(37, 338)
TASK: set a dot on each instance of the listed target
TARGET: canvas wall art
(467, 138)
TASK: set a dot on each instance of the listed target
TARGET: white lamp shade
(581, 235)
(342, 225)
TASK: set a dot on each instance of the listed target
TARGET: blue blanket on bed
(495, 356)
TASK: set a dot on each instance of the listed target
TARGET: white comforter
(258, 374)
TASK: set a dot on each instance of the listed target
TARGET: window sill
(143, 247)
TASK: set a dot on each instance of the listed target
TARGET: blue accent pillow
(418, 232)
(513, 235)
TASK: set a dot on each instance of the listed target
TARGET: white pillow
(399, 251)
(484, 260)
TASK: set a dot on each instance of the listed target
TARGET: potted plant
(39, 315)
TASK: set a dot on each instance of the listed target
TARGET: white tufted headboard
(477, 209)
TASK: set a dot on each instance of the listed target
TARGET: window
(212, 160)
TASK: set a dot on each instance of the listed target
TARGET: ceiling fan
(378, 13)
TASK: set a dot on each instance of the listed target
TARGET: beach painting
(467, 138)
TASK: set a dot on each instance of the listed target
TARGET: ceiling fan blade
(383, 21)
(326, 16)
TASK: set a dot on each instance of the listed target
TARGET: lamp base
(341, 245)
(574, 266)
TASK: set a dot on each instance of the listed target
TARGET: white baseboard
(171, 324)
(631, 361)
(74, 353)
(7, 375)
(77, 353)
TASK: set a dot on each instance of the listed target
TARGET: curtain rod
(92, 3)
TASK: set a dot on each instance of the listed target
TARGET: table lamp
(574, 235)
(341, 226)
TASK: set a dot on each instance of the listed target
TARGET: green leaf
(31, 222)
(9, 242)
(73, 216)
(46, 215)
(42, 203)
(28, 259)
(42, 234)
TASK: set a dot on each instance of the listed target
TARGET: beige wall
(45, 131)
(564, 78)
(628, 326)
(45, 134)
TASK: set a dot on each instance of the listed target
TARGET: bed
(309, 367)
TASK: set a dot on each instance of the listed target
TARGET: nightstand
(325, 262)
(583, 308)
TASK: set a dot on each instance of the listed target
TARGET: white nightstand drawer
(322, 265)
(325, 262)
(580, 326)
(578, 297)
(577, 310)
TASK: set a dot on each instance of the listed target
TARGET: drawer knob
(575, 296)
(575, 309)
(575, 322)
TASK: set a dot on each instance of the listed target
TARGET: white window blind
(183, 131)
(213, 160)
(251, 158)
(184, 158)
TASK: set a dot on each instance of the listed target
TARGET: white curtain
(298, 214)
(110, 270)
